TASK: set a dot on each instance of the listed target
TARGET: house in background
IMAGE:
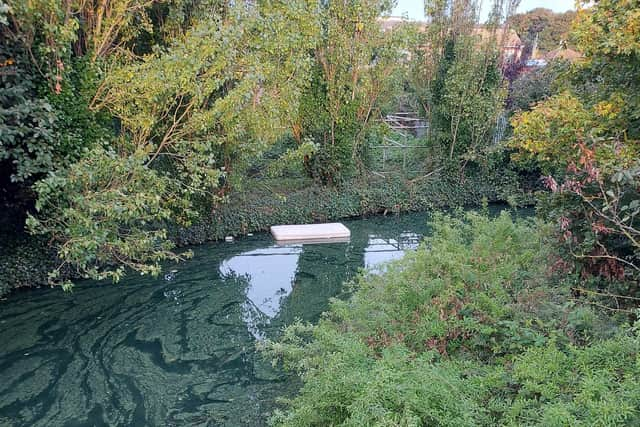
(563, 52)
(512, 45)
(388, 23)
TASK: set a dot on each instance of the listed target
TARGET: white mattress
(313, 232)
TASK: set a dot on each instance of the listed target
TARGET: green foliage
(551, 131)
(103, 214)
(608, 29)
(449, 302)
(549, 29)
(43, 29)
(458, 80)
(189, 114)
(535, 86)
(292, 158)
(355, 66)
(608, 36)
(462, 332)
(226, 103)
(595, 385)
(466, 108)
(596, 210)
(587, 138)
(56, 31)
(177, 16)
(25, 260)
(29, 146)
(42, 131)
(78, 128)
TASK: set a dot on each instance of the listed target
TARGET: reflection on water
(270, 274)
(381, 249)
(179, 349)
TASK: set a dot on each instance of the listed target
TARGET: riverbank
(475, 328)
(265, 203)
(26, 260)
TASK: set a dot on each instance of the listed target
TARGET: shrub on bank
(468, 330)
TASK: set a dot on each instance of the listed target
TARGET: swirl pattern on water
(178, 349)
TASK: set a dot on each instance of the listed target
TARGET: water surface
(178, 350)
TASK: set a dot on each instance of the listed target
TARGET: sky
(415, 8)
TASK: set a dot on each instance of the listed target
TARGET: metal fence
(398, 150)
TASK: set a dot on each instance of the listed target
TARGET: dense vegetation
(543, 29)
(505, 321)
(131, 126)
(585, 140)
(124, 120)
(471, 329)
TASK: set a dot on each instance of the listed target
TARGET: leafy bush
(27, 125)
(587, 141)
(41, 130)
(462, 332)
(535, 86)
(108, 216)
(595, 210)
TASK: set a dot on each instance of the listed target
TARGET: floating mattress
(313, 233)
(295, 242)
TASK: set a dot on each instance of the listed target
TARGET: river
(179, 350)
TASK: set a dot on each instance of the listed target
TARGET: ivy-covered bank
(262, 205)
(26, 260)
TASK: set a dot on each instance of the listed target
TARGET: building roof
(512, 39)
(563, 53)
(390, 22)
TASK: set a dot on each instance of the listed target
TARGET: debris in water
(311, 233)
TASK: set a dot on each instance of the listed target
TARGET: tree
(587, 139)
(27, 122)
(72, 27)
(534, 86)
(41, 129)
(543, 27)
(354, 62)
(462, 89)
(219, 94)
(471, 101)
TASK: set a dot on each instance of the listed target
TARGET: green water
(178, 350)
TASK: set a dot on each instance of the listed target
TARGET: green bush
(467, 330)
(27, 127)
